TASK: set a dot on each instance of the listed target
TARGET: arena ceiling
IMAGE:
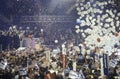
(12, 8)
(15, 10)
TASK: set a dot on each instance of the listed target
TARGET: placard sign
(64, 60)
(105, 64)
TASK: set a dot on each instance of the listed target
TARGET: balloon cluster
(98, 22)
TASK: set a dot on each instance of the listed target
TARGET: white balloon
(101, 34)
(112, 24)
(85, 12)
(93, 15)
(28, 28)
(77, 26)
(77, 31)
(78, 20)
(97, 2)
(107, 11)
(117, 23)
(106, 15)
(56, 41)
(90, 18)
(113, 15)
(106, 25)
(113, 30)
(41, 30)
(94, 5)
(76, 4)
(105, 3)
(109, 1)
(63, 46)
(82, 30)
(108, 20)
(88, 4)
(82, 24)
(100, 11)
(81, 4)
(98, 16)
(118, 14)
(14, 27)
(82, 15)
(88, 23)
(101, 24)
(102, 7)
(79, 13)
(78, 9)
(82, 8)
(83, 34)
(115, 11)
(116, 18)
(102, 18)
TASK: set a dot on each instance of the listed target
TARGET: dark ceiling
(12, 8)
(18, 8)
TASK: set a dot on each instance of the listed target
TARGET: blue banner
(105, 64)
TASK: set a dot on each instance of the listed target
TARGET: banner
(105, 64)
(64, 60)
(113, 63)
(64, 56)
(64, 50)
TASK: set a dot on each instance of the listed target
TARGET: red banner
(64, 60)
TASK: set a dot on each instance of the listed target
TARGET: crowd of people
(47, 63)
(31, 64)
(23, 64)
(9, 40)
(12, 37)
